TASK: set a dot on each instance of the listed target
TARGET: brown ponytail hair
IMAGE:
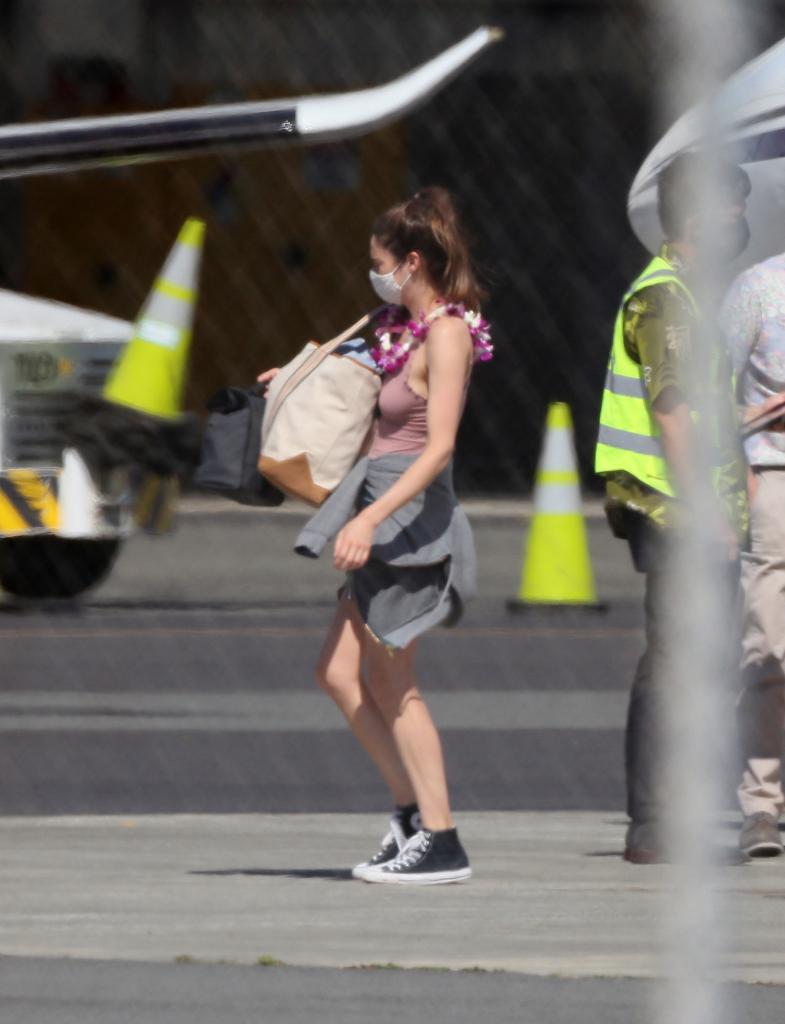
(428, 223)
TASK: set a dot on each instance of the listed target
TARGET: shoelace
(396, 835)
(412, 852)
(388, 840)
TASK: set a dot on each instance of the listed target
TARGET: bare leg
(339, 674)
(393, 687)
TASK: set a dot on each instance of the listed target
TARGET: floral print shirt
(753, 322)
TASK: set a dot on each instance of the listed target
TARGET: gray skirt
(421, 570)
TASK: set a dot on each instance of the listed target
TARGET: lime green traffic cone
(557, 569)
(149, 375)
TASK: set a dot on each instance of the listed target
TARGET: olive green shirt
(659, 324)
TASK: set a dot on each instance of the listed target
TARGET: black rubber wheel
(48, 566)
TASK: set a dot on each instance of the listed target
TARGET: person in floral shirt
(753, 321)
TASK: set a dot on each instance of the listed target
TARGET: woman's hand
(353, 544)
(267, 376)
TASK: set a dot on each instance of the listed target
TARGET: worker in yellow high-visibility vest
(646, 440)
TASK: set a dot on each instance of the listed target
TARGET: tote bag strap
(316, 359)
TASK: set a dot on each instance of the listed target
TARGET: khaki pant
(762, 702)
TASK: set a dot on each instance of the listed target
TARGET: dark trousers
(652, 550)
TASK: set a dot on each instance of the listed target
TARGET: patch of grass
(430, 968)
(376, 967)
(269, 961)
(184, 958)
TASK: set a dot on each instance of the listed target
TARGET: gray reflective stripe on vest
(626, 387)
(630, 442)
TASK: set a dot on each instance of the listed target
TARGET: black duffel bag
(230, 448)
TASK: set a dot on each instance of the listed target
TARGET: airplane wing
(749, 112)
(86, 142)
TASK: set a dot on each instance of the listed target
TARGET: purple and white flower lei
(390, 353)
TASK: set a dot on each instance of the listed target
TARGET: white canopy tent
(25, 318)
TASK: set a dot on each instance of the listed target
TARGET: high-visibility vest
(629, 438)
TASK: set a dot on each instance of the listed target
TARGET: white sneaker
(428, 858)
(391, 846)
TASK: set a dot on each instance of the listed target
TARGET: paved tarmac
(185, 682)
(177, 904)
(157, 736)
(100, 992)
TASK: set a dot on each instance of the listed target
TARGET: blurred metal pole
(709, 35)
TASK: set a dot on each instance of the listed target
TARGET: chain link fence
(539, 141)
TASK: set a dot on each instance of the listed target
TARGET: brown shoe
(760, 836)
(642, 844)
(640, 855)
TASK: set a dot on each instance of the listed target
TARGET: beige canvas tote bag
(320, 408)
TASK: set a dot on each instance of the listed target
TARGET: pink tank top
(402, 426)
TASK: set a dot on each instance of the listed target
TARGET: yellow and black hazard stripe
(28, 501)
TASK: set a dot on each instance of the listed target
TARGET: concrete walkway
(550, 896)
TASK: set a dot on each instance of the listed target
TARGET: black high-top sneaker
(403, 825)
(428, 858)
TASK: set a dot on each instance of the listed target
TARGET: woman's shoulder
(453, 326)
(449, 325)
(448, 336)
(450, 333)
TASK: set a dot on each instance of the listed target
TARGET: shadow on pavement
(721, 856)
(331, 874)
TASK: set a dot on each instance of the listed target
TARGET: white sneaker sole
(764, 849)
(361, 870)
(431, 878)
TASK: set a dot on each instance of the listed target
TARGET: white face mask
(386, 287)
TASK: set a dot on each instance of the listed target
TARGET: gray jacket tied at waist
(422, 565)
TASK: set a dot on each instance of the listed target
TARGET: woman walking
(400, 535)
